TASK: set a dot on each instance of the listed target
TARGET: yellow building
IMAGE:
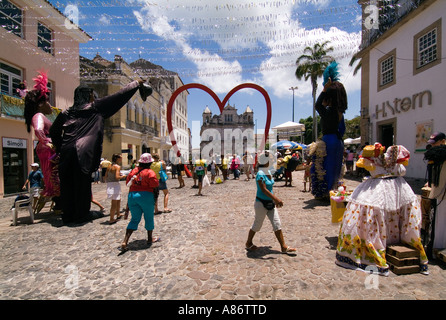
(140, 126)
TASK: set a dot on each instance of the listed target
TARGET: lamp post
(293, 88)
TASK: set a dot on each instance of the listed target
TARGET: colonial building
(402, 57)
(140, 126)
(34, 36)
(228, 132)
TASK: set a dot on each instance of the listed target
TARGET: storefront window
(14, 165)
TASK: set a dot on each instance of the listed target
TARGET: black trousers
(75, 188)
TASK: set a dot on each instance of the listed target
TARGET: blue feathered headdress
(331, 72)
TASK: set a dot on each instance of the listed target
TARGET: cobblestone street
(201, 254)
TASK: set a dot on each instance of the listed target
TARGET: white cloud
(104, 20)
(242, 28)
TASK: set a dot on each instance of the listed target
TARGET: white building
(402, 75)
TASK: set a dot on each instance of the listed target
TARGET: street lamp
(293, 88)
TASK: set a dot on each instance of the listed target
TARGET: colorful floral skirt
(381, 212)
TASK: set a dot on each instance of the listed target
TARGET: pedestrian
(157, 166)
(200, 170)
(436, 156)
(97, 203)
(174, 170)
(247, 165)
(235, 164)
(96, 176)
(180, 173)
(288, 171)
(266, 205)
(77, 134)
(224, 167)
(383, 210)
(328, 160)
(142, 182)
(307, 175)
(112, 177)
(35, 180)
(349, 160)
(212, 167)
(104, 166)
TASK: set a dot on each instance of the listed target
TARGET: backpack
(292, 163)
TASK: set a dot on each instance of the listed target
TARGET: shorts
(287, 173)
(34, 192)
(260, 213)
(114, 190)
(200, 178)
(162, 185)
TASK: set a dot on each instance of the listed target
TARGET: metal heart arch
(220, 104)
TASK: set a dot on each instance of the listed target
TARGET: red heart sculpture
(221, 105)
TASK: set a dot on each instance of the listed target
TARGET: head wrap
(331, 72)
(41, 84)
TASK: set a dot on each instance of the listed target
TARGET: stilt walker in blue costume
(328, 153)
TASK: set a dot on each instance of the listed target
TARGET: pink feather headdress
(41, 83)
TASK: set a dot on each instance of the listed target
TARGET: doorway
(386, 133)
(14, 170)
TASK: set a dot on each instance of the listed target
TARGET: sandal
(251, 247)
(288, 249)
(123, 248)
(154, 239)
(167, 210)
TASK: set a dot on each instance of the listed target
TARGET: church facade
(227, 133)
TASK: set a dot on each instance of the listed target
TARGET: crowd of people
(382, 210)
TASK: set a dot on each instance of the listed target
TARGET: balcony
(141, 128)
(14, 107)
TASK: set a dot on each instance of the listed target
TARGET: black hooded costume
(77, 134)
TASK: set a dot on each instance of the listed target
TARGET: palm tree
(353, 60)
(311, 65)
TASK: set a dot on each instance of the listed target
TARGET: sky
(224, 43)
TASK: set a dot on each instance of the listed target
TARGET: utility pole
(293, 88)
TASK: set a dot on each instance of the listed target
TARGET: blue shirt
(35, 178)
(269, 183)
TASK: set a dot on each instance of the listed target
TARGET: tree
(308, 122)
(311, 65)
(352, 128)
(353, 60)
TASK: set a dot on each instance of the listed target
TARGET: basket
(337, 209)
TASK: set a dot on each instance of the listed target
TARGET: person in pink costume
(37, 106)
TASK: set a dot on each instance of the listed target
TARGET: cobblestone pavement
(201, 254)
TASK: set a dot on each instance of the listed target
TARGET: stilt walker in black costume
(77, 134)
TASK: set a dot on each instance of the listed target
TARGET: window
(51, 93)
(427, 47)
(10, 79)
(387, 70)
(44, 38)
(11, 18)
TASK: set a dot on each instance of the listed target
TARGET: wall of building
(415, 98)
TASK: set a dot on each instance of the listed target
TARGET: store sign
(14, 143)
(403, 105)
